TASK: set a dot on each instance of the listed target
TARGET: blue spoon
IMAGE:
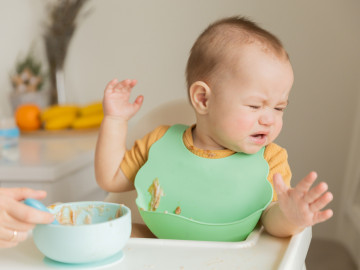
(38, 205)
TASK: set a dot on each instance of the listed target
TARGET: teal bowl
(88, 232)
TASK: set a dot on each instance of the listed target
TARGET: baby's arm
(297, 208)
(111, 143)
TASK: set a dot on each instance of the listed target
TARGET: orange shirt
(135, 158)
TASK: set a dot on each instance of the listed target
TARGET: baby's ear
(199, 95)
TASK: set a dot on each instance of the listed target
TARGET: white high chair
(290, 253)
(169, 113)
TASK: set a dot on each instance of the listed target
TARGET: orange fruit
(28, 117)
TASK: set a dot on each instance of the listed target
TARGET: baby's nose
(267, 118)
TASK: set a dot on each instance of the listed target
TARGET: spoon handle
(40, 206)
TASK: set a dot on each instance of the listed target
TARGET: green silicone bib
(201, 199)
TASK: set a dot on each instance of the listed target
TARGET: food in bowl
(88, 232)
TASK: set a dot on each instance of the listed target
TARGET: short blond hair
(211, 48)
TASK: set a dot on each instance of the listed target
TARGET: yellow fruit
(56, 111)
(91, 121)
(60, 122)
(93, 108)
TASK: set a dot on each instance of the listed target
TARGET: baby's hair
(211, 49)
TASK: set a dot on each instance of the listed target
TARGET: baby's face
(247, 104)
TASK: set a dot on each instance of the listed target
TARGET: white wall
(150, 41)
(20, 25)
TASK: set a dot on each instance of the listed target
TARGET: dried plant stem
(60, 29)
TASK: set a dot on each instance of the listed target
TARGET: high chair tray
(259, 251)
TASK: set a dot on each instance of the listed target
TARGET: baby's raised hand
(116, 99)
(302, 205)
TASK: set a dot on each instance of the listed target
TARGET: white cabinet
(63, 165)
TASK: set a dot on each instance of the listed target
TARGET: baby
(239, 78)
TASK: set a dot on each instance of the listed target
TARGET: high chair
(288, 253)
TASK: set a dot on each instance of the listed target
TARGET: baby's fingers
(137, 103)
(125, 85)
(321, 202)
(279, 185)
(322, 216)
(111, 84)
(315, 193)
(305, 184)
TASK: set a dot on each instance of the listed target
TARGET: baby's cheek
(277, 129)
(246, 123)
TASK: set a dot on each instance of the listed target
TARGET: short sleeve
(136, 157)
(277, 159)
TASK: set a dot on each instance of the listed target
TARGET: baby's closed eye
(281, 109)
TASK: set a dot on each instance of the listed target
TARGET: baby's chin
(251, 152)
(253, 149)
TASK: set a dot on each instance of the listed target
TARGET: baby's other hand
(302, 205)
(116, 100)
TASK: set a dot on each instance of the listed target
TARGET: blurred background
(150, 41)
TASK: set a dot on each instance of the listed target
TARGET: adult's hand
(16, 218)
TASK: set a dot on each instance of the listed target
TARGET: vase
(40, 98)
(60, 86)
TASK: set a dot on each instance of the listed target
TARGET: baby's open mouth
(259, 138)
